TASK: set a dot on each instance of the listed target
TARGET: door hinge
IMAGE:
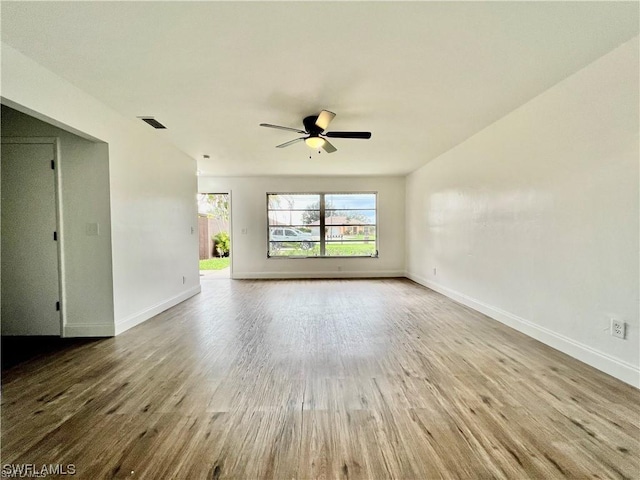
(55, 236)
(53, 164)
(57, 306)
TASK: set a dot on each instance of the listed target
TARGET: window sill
(298, 257)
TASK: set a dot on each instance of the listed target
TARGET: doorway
(30, 260)
(214, 233)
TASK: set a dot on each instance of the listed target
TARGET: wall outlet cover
(618, 328)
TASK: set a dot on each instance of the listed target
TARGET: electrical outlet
(184, 279)
(617, 328)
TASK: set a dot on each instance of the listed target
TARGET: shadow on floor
(18, 349)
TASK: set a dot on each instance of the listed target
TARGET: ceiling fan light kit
(315, 142)
(314, 128)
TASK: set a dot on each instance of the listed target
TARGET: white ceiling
(421, 76)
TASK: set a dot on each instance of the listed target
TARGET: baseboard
(88, 330)
(309, 275)
(140, 317)
(615, 367)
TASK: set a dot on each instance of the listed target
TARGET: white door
(30, 282)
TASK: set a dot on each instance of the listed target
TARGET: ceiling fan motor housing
(310, 125)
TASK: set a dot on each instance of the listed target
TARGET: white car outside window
(279, 235)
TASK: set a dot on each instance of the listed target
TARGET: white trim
(231, 232)
(88, 330)
(615, 367)
(138, 318)
(331, 274)
(62, 271)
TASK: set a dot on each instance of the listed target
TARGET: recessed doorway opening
(214, 235)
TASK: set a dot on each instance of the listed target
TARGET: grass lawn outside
(342, 249)
(331, 249)
(214, 263)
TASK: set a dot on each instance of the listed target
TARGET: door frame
(231, 234)
(57, 176)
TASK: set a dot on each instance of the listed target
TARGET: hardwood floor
(369, 379)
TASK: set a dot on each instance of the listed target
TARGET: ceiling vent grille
(152, 121)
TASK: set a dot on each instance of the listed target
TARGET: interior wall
(152, 188)
(249, 215)
(83, 168)
(535, 220)
(155, 234)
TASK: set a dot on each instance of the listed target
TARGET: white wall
(534, 220)
(83, 167)
(249, 211)
(152, 187)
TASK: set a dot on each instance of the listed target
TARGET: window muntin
(348, 221)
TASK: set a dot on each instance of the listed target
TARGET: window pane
(350, 201)
(293, 209)
(350, 225)
(350, 240)
(294, 234)
(292, 241)
(350, 248)
(305, 248)
(284, 201)
(350, 217)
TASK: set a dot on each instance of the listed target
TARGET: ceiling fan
(314, 129)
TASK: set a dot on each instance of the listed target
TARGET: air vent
(152, 121)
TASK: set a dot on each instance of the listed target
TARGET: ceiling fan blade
(283, 128)
(328, 147)
(363, 135)
(324, 119)
(290, 142)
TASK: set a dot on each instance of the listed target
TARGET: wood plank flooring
(301, 379)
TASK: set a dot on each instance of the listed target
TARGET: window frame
(322, 224)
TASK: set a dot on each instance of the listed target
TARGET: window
(347, 220)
